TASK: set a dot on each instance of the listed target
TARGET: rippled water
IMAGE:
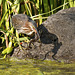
(35, 67)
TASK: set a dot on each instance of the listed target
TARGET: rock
(62, 24)
(57, 37)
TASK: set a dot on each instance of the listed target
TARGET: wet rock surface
(57, 36)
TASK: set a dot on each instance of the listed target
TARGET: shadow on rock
(49, 38)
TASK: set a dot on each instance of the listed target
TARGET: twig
(5, 38)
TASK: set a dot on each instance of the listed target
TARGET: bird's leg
(40, 44)
(34, 40)
(37, 38)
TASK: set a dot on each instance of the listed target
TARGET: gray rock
(62, 24)
(57, 37)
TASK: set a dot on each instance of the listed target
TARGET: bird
(24, 24)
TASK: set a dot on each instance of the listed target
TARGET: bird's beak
(35, 30)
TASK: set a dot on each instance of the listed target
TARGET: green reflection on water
(35, 67)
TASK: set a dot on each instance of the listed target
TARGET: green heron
(24, 24)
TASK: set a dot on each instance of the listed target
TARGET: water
(35, 67)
